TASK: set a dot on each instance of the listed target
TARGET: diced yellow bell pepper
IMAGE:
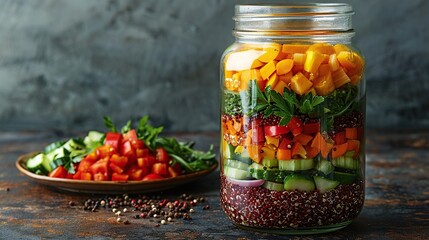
(294, 48)
(272, 81)
(299, 58)
(324, 48)
(284, 66)
(272, 140)
(268, 69)
(238, 149)
(340, 78)
(268, 152)
(280, 87)
(300, 84)
(324, 85)
(313, 61)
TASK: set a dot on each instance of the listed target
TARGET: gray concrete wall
(66, 63)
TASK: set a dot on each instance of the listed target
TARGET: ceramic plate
(108, 187)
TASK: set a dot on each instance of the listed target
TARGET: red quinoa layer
(260, 207)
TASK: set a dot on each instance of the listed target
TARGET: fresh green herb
(147, 133)
(127, 127)
(109, 124)
(308, 103)
(232, 103)
(191, 160)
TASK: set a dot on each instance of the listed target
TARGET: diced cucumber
(51, 147)
(296, 164)
(229, 151)
(237, 164)
(273, 186)
(325, 167)
(244, 156)
(349, 154)
(345, 178)
(324, 184)
(270, 162)
(299, 182)
(257, 166)
(35, 164)
(93, 139)
(235, 173)
(74, 145)
(47, 164)
(346, 162)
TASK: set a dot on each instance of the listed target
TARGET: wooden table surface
(396, 206)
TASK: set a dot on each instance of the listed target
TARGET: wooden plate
(108, 187)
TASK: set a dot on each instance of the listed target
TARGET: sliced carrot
(256, 63)
(272, 81)
(351, 133)
(284, 154)
(317, 141)
(281, 56)
(302, 138)
(284, 66)
(268, 69)
(339, 150)
(286, 78)
(298, 150)
(280, 87)
(300, 84)
(324, 85)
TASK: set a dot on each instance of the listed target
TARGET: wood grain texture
(396, 206)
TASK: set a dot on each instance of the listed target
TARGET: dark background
(66, 63)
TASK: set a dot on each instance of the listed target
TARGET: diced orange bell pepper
(339, 150)
(311, 152)
(255, 152)
(353, 145)
(284, 154)
(326, 148)
(298, 150)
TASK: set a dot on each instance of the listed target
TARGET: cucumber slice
(345, 178)
(93, 139)
(73, 145)
(346, 162)
(296, 164)
(349, 154)
(273, 186)
(237, 164)
(324, 184)
(235, 173)
(244, 157)
(299, 182)
(35, 164)
(229, 151)
(270, 162)
(325, 167)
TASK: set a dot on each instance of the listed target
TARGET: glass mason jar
(292, 119)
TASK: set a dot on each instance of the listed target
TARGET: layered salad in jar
(292, 126)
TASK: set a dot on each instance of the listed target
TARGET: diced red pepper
(351, 133)
(147, 161)
(92, 157)
(275, 130)
(119, 177)
(311, 128)
(312, 152)
(101, 166)
(142, 152)
(120, 161)
(105, 151)
(59, 172)
(115, 168)
(136, 173)
(113, 139)
(304, 139)
(77, 175)
(162, 155)
(295, 126)
(84, 165)
(100, 177)
(286, 143)
(258, 135)
(298, 151)
(86, 176)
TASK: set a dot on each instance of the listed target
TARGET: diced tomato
(119, 177)
(298, 151)
(77, 175)
(146, 161)
(295, 126)
(162, 155)
(100, 177)
(105, 151)
(160, 169)
(137, 173)
(86, 176)
(142, 152)
(340, 138)
(84, 165)
(115, 168)
(152, 176)
(120, 161)
(131, 135)
(258, 135)
(128, 151)
(113, 139)
(101, 166)
(286, 143)
(59, 172)
(137, 144)
(275, 130)
(311, 128)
